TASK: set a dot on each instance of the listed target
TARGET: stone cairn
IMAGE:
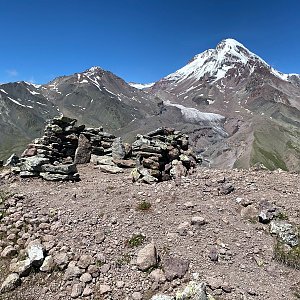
(160, 155)
(55, 155)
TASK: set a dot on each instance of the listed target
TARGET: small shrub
(4, 195)
(282, 216)
(136, 240)
(289, 256)
(144, 206)
(123, 260)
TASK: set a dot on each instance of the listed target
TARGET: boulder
(175, 267)
(13, 160)
(287, 232)
(147, 257)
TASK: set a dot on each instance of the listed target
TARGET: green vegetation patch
(136, 240)
(289, 256)
(144, 206)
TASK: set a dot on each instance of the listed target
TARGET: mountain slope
(234, 82)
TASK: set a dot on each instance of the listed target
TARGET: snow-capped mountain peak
(215, 63)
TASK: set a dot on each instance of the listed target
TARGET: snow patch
(141, 86)
(194, 115)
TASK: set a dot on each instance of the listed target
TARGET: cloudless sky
(139, 40)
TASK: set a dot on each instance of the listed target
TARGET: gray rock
(286, 232)
(61, 260)
(35, 252)
(9, 251)
(83, 151)
(48, 264)
(72, 271)
(197, 220)
(147, 257)
(175, 267)
(137, 296)
(267, 212)
(193, 291)
(84, 261)
(162, 297)
(86, 277)
(104, 289)
(118, 149)
(12, 160)
(22, 267)
(60, 169)
(77, 290)
(102, 160)
(158, 275)
(10, 283)
(110, 169)
(27, 174)
(33, 163)
(59, 177)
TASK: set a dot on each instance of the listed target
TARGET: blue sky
(139, 40)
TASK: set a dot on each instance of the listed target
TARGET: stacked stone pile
(161, 155)
(55, 155)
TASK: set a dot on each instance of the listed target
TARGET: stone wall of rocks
(160, 155)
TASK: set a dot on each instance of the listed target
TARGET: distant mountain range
(237, 109)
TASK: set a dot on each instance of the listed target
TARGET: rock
(87, 291)
(61, 260)
(213, 254)
(118, 149)
(175, 267)
(86, 278)
(137, 296)
(8, 251)
(72, 271)
(33, 163)
(35, 252)
(226, 188)
(104, 289)
(182, 228)
(48, 264)
(60, 169)
(110, 169)
(147, 257)
(10, 283)
(27, 174)
(249, 212)
(149, 179)
(158, 276)
(193, 291)
(22, 267)
(267, 212)
(162, 297)
(13, 160)
(120, 284)
(59, 177)
(102, 160)
(135, 175)
(286, 232)
(197, 220)
(77, 290)
(122, 163)
(84, 261)
(83, 151)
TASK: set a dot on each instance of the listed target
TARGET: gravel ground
(99, 215)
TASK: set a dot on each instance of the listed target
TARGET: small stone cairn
(160, 155)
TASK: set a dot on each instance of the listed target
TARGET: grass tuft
(144, 206)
